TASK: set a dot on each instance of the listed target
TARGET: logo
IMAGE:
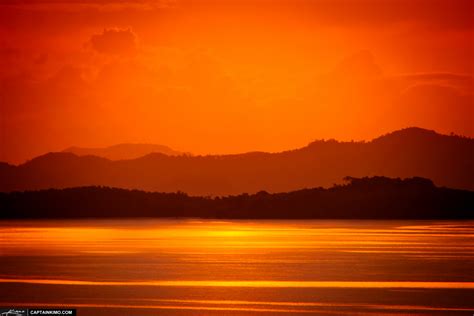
(36, 311)
(13, 312)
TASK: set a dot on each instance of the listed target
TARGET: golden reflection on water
(211, 236)
(232, 261)
(256, 284)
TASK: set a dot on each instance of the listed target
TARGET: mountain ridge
(123, 151)
(448, 160)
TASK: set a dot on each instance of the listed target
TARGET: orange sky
(230, 76)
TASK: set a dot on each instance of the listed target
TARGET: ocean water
(206, 267)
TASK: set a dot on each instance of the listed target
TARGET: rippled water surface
(195, 267)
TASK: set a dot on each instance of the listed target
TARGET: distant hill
(123, 151)
(360, 198)
(447, 160)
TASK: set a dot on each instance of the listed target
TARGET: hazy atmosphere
(236, 157)
(229, 76)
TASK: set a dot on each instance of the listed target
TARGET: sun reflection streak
(230, 236)
(255, 284)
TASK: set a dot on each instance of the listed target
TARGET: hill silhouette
(360, 198)
(123, 151)
(447, 160)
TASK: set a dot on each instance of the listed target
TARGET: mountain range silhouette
(411, 152)
(123, 151)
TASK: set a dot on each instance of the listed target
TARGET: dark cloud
(452, 14)
(358, 66)
(71, 5)
(437, 105)
(436, 13)
(461, 82)
(114, 42)
(437, 76)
